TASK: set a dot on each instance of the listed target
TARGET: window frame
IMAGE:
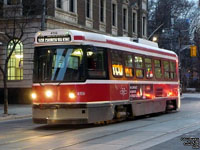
(105, 60)
(119, 53)
(102, 13)
(152, 68)
(14, 64)
(172, 71)
(124, 62)
(114, 14)
(142, 68)
(125, 18)
(157, 59)
(166, 71)
(89, 13)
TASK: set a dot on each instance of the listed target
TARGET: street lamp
(155, 39)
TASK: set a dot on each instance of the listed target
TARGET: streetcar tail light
(33, 95)
(71, 95)
(48, 93)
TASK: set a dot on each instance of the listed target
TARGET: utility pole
(43, 15)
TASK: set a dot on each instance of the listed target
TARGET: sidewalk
(16, 111)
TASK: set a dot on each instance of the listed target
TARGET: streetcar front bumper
(71, 113)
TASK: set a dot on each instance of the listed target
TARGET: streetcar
(82, 78)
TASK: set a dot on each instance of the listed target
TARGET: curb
(14, 117)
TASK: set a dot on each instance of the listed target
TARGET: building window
(13, 2)
(134, 19)
(102, 10)
(125, 18)
(144, 26)
(71, 6)
(89, 8)
(59, 3)
(15, 63)
(114, 14)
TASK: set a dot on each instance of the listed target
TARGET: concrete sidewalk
(16, 111)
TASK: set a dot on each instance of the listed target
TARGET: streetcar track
(85, 141)
(88, 140)
(164, 134)
(110, 134)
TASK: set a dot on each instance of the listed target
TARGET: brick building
(111, 17)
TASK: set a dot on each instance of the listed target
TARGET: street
(160, 131)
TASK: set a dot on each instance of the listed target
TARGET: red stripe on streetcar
(79, 37)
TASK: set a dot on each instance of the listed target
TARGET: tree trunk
(5, 93)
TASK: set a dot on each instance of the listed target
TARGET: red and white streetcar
(82, 77)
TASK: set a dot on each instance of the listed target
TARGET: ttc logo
(123, 91)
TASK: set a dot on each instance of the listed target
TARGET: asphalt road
(161, 131)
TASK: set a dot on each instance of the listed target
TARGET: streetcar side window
(172, 70)
(158, 69)
(96, 63)
(139, 71)
(148, 68)
(117, 66)
(128, 65)
(166, 69)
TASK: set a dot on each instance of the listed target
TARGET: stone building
(110, 17)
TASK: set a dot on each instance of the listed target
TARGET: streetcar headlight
(33, 95)
(72, 95)
(49, 93)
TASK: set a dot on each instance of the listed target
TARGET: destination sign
(50, 39)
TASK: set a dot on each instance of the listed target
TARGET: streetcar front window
(64, 63)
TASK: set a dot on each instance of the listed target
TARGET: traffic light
(193, 51)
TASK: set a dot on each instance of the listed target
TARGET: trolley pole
(43, 15)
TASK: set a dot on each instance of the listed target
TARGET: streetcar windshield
(64, 63)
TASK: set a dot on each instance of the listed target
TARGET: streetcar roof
(90, 37)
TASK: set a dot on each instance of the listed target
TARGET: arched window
(15, 63)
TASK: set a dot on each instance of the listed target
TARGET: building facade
(111, 17)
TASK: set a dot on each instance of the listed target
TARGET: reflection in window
(158, 71)
(148, 67)
(172, 70)
(117, 67)
(15, 63)
(128, 65)
(95, 61)
(59, 64)
(139, 67)
(166, 69)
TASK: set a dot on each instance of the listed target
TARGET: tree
(168, 14)
(15, 21)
